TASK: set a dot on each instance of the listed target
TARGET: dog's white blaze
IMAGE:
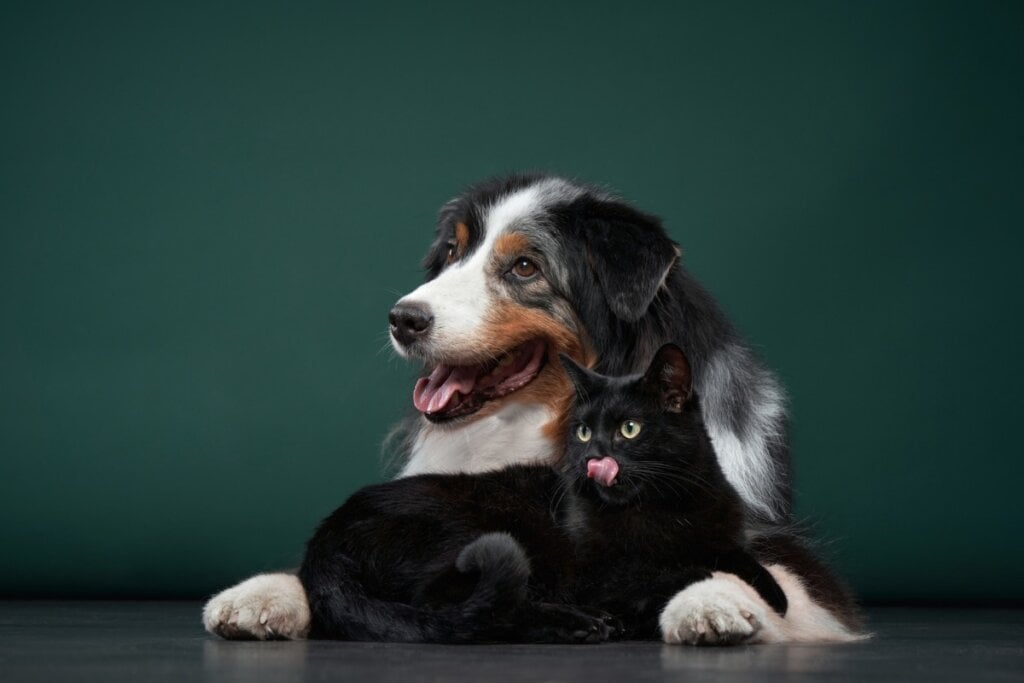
(459, 297)
(512, 435)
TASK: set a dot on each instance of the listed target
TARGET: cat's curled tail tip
(503, 565)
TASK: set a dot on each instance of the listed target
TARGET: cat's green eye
(583, 433)
(629, 429)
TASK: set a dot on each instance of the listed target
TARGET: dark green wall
(205, 214)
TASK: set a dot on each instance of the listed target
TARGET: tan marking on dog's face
(458, 250)
(514, 324)
(510, 245)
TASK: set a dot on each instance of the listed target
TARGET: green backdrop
(206, 212)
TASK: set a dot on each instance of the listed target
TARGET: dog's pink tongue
(433, 393)
(603, 471)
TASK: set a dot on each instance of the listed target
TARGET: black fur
(535, 554)
(671, 508)
(418, 560)
(791, 548)
(621, 277)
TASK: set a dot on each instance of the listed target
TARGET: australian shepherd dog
(524, 268)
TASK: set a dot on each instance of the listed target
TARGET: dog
(523, 268)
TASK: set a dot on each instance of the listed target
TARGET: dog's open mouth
(455, 390)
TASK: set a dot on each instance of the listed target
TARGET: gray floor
(132, 641)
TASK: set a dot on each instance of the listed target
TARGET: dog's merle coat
(616, 281)
(535, 554)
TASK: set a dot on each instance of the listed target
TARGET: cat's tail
(504, 570)
(342, 609)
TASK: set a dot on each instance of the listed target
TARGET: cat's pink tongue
(603, 471)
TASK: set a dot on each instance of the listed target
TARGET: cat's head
(634, 437)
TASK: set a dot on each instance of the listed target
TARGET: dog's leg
(724, 610)
(265, 607)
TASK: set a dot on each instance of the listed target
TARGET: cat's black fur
(535, 554)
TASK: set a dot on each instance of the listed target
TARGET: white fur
(263, 607)
(805, 620)
(459, 297)
(459, 300)
(713, 611)
(747, 464)
(511, 435)
(725, 610)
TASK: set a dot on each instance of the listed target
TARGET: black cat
(637, 510)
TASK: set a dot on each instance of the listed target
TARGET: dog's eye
(524, 268)
(452, 248)
(583, 433)
(629, 429)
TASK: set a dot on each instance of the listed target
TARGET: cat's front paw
(265, 607)
(570, 624)
(714, 611)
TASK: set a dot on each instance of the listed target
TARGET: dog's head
(522, 269)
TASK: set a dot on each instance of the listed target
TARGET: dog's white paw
(715, 611)
(265, 607)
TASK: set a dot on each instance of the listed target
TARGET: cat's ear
(583, 380)
(669, 376)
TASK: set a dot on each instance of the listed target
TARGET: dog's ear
(583, 380)
(437, 255)
(670, 377)
(627, 249)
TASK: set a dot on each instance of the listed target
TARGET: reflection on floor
(151, 641)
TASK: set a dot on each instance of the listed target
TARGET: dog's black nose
(410, 322)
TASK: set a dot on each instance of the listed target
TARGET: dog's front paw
(265, 607)
(712, 612)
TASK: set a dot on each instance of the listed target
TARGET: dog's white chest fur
(512, 435)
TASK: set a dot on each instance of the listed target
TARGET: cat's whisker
(656, 474)
(560, 491)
